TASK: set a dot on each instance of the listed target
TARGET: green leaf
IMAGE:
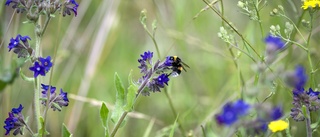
(118, 110)
(304, 111)
(24, 77)
(104, 112)
(131, 95)
(56, 106)
(42, 130)
(65, 131)
(143, 18)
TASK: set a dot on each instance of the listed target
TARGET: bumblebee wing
(184, 64)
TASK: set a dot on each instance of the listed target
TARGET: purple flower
(70, 5)
(46, 88)
(24, 38)
(56, 101)
(17, 4)
(17, 110)
(273, 43)
(162, 79)
(297, 79)
(14, 42)
(145, 62)
(38, 69)
(46, 63)
(232, 112)
(147, 56)
(276, 113)
(15, 121)
(22, 49)
(301, 77)
(309, 99)
(312, 93)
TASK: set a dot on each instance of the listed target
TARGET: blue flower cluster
(20, 46)
(15, 121)
(68, 6)
(231, 112)
(148, 69)
(42, 66)
(55, 101)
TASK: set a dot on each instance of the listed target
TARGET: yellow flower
(310, 3)
(278, 125)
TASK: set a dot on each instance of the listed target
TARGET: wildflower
(232, 112)
(274, 43)
(265, 114)
(278, 125)
(46, 62)
(38, 69)
(22, 49)
(70, 5)
(310, 3)
(55, 101)
(301, 98)
(17, 4)
(297, 79)
(145, 58)
(15, 121)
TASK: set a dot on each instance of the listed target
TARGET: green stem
(312, 83)
(259, 19)
(174, 112)
(308, 123)
(234, 29)
(115, 129)
(296, 28)
(37, 81)
(152, 36)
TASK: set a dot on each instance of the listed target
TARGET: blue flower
(24, 38)
(11, 1)
(46, 88)
(70, 5)
(38, 69)
(14, 42)
(232, 112)
(46, 63)
(147, 56)
(55, 101)
(276, 113)
(17, 110)
(15, 121)
(309, 99)
(17, 4)
(301, 77)
(162, 79)
(273, 43)
(312, 93)
(22, 49)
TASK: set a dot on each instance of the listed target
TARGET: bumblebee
(177, 65)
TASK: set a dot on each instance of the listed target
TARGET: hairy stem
(308, 123)
(36, 101)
